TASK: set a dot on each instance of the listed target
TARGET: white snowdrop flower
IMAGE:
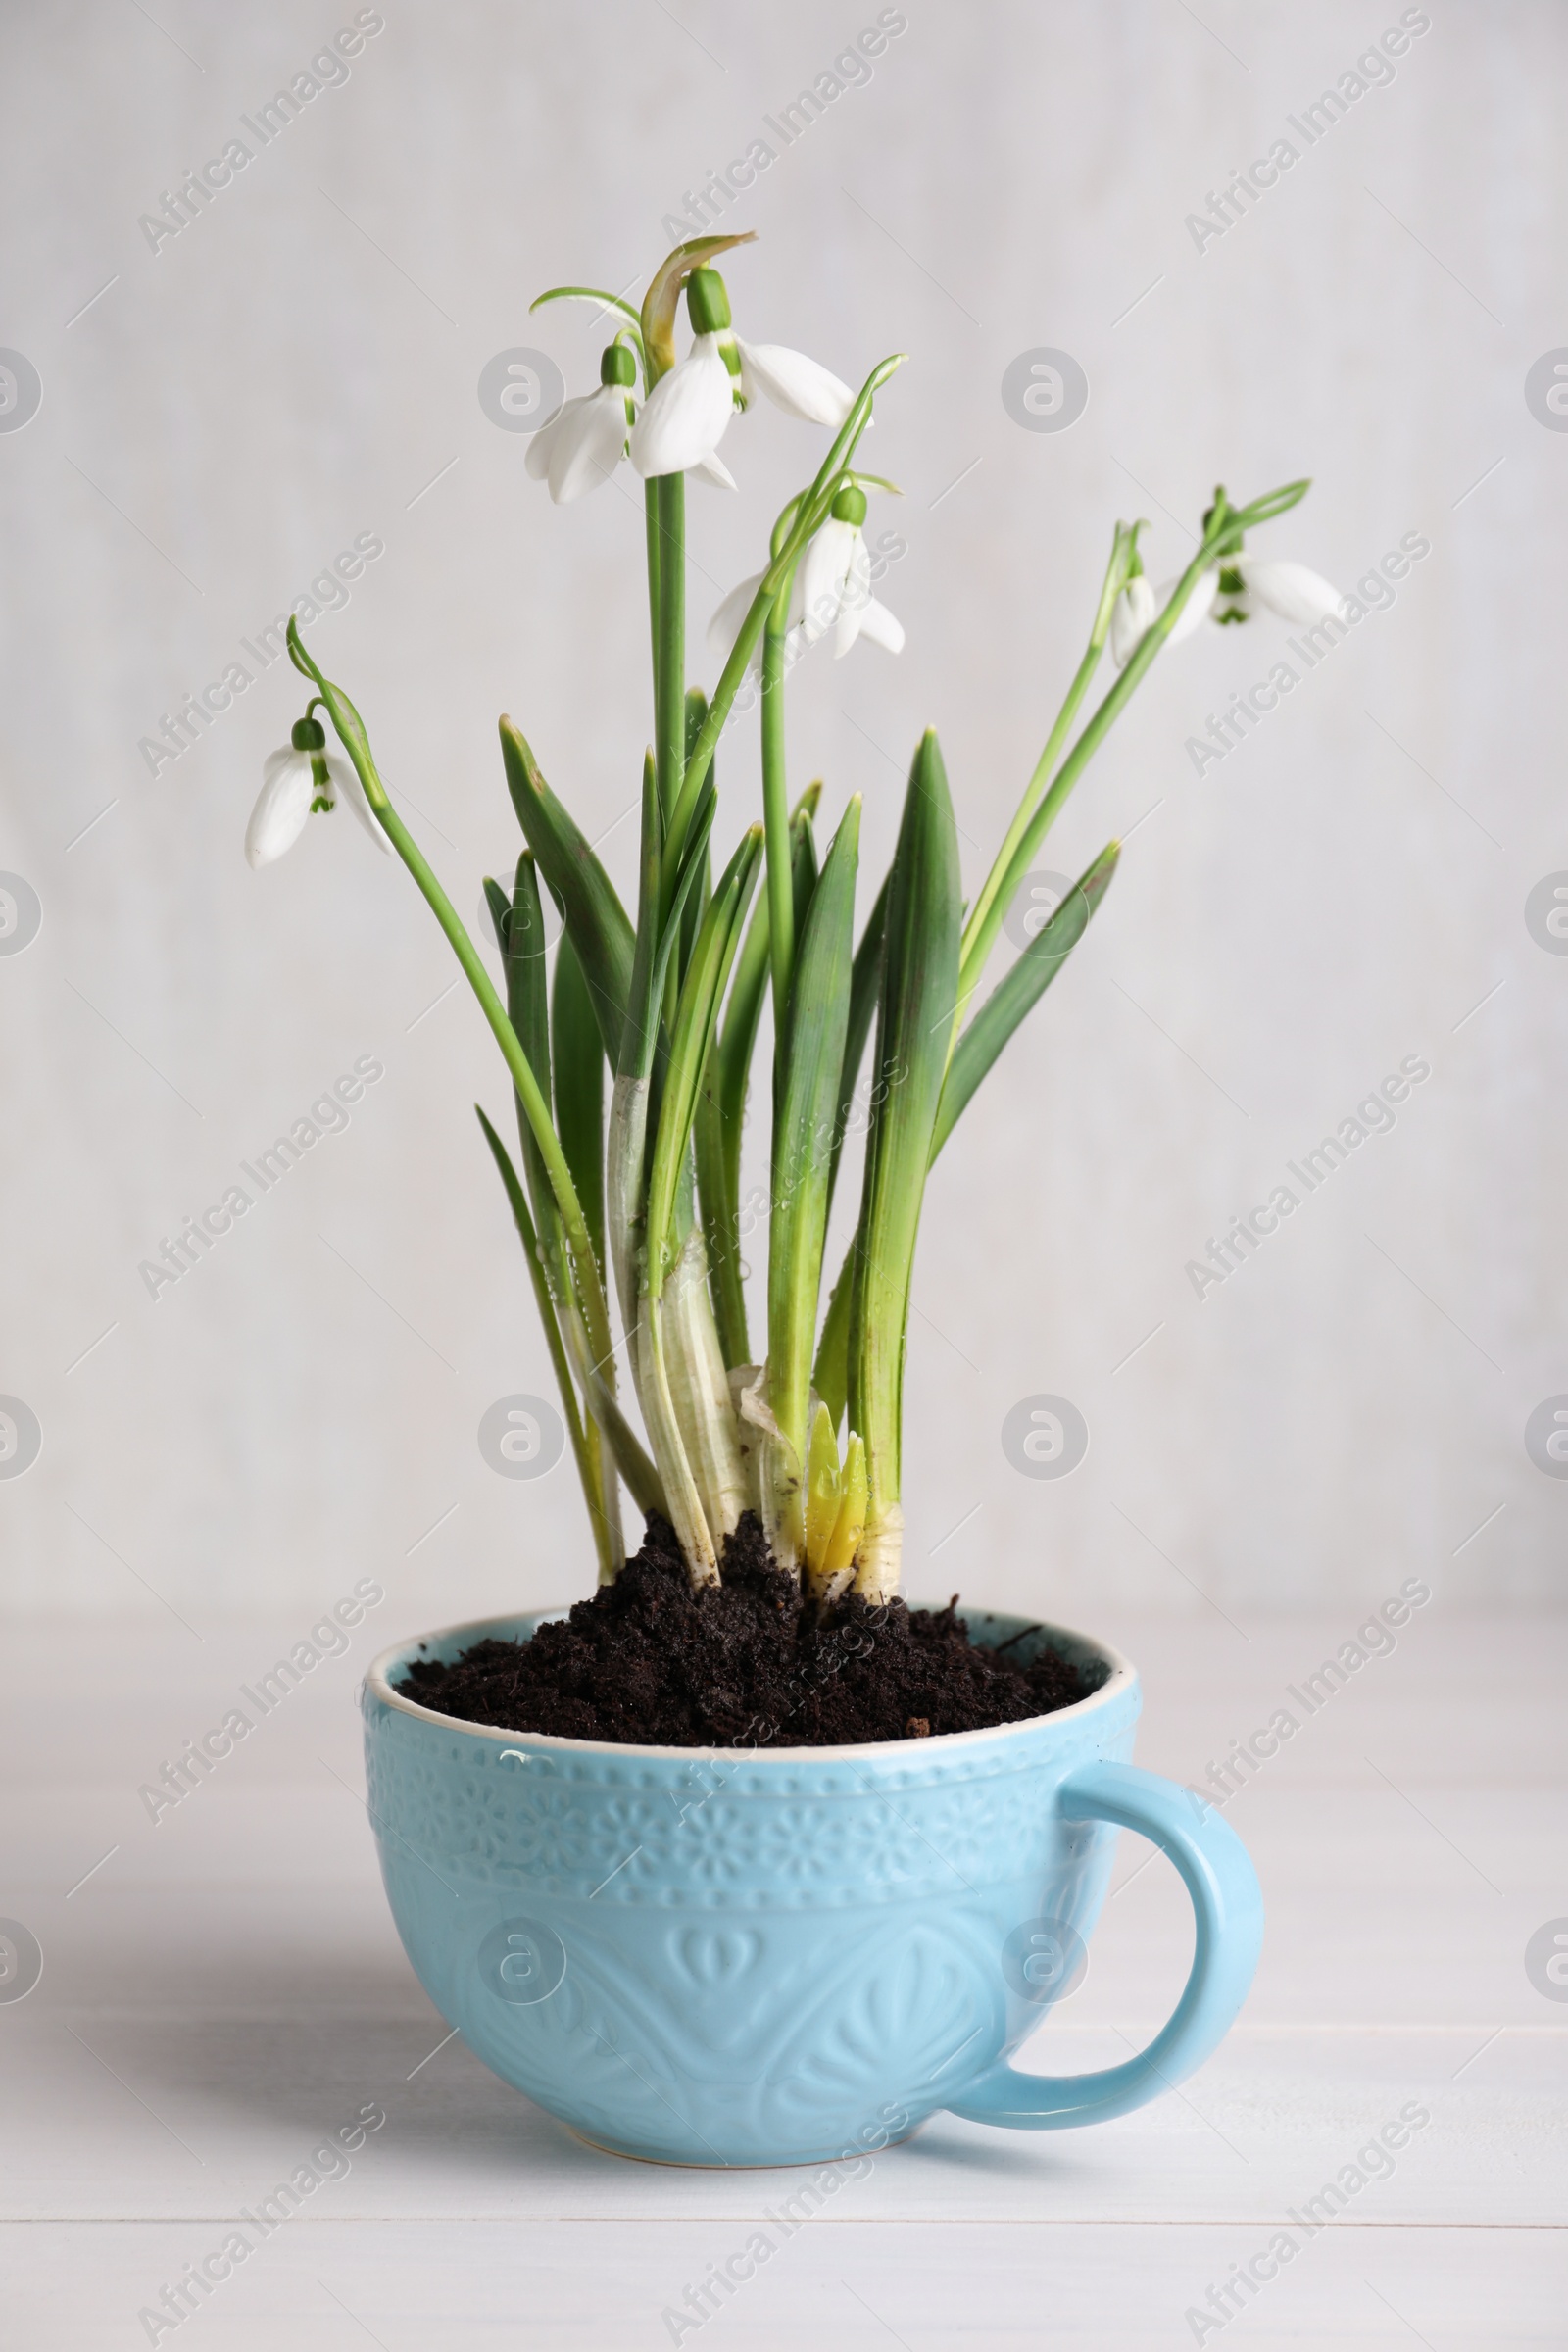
(300, 778)
(1240, 587)
(836, 582)
(586, 439)
(1196, 609)
(726, 623)
(714, 471)
(1293, 591)
(799, 386)
(1135, 608)
(685, 415)
(682, 422)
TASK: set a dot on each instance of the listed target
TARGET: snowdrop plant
(586, 439)
(632, 1191)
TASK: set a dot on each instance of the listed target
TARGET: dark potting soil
(745, 1663)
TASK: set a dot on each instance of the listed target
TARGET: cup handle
(1229, 1906)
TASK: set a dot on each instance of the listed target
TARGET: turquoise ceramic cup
(790, 1955)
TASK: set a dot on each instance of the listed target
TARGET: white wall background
(297, 365)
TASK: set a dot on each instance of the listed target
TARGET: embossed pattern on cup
(735, 1958)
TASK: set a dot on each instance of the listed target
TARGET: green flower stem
(579, 1241)
(669, 640)
(599, 929)
(1115, 580)
(1013, 999)
(1027, 842)
(810, 513)
(651, 527)
(639, 1028)
(1224, 528)
(775, 811)
(631, 1458)
(351, 734)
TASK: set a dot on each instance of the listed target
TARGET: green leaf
(810, 510)
(915, 1024)
(696, 1014)
(584, 1451)
(527, 996)
(610, 302)
(865, 988)
(742, 1018)
(804, 1124)
(830, 1374)
(659, 926)
(803, 868)
(641, 1068)
(528, 1011)
(722, 1116)
(630, 1455)
(720, 1123)
(578, 1057)
(594, 914)
(1023, 989)
(720, 1215)
(500, 906)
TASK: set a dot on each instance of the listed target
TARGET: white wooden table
(226, 1986)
